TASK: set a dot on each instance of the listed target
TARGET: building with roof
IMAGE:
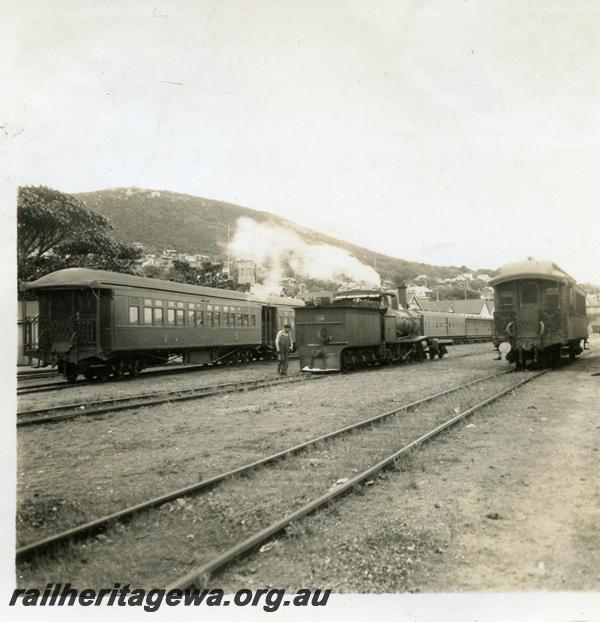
(473, 308)
(424, 304)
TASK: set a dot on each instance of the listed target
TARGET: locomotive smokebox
(405, 327)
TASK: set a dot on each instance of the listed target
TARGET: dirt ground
(509, 501)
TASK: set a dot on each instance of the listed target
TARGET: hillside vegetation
(190, 224)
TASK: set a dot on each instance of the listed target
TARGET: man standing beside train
(283, 345)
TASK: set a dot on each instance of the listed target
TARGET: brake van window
(529, 293)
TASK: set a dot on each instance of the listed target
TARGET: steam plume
(273, 248)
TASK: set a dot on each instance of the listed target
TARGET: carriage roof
(87, 277)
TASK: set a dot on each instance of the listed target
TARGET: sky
(452, 133)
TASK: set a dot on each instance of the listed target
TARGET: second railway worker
(283, 345)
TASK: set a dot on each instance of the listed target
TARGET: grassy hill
(190, 224)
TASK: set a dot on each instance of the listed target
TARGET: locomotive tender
(540, 313)
(100, 323)
(361, 327)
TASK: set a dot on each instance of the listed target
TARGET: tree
(55, 231)
(47, 218)
(154, 272)
(208, 273)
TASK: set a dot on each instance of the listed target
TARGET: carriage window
(191, 315)
(245, 320)
(529, 293)
(217, 319)
(171, 304)
(225, 319)
(171, 317)
(239, 319)
(209, 318)
(180, 305)
(158, 317)
(580, 304)
(147, 315)
(253, 320)
(180, 317)
(134, 315)
(199, 318)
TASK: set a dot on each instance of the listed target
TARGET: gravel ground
(90, 392)
(241, 506)
(508, 501)
(77, 470)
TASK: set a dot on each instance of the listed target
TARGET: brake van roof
(531, 269)
(86, 277)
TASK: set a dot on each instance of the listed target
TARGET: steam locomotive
(360, 328)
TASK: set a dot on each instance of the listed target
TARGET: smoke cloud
(273, 248)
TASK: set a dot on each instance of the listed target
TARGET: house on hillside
(244, 271)
(418, 291)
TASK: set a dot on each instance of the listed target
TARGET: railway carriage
(540, 313)
(99, 323)
(459, 327)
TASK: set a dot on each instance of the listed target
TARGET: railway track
(44, 388)
(202, 574)
(89, 528)
(36, 375)
(62, 412)
(60, 385)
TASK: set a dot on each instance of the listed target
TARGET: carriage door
(528, 318)
(269, 325)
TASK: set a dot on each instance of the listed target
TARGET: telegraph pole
(228, 258)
